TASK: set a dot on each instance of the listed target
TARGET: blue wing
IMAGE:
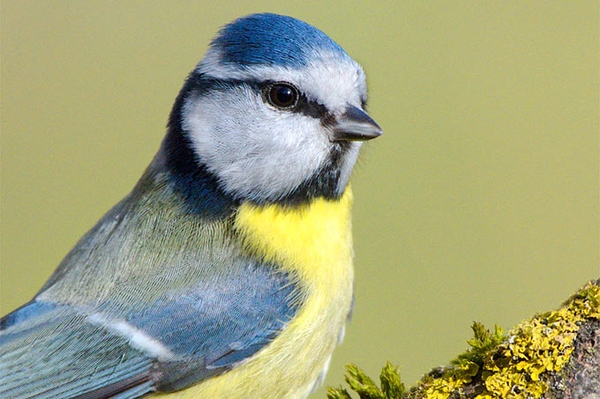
(216, 324)
(155, 297)
(49, 350)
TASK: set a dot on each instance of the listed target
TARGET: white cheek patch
(255, 150)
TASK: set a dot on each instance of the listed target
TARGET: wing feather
(49, 351)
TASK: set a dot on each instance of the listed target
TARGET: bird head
(274, 112)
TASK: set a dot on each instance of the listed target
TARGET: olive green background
(480, 202)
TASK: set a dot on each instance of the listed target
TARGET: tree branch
(552, 355)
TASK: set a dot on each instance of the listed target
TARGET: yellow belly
(315, 245)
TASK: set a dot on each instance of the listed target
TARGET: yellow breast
(314, 244)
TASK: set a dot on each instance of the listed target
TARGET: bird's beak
(355, 125)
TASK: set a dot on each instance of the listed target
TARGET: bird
(227, 271)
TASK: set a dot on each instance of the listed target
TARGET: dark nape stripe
(200, 189)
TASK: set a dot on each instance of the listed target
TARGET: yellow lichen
(515, 366)
(536, 346)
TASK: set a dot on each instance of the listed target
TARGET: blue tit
(227, 271)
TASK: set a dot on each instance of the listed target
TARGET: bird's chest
(314, 245)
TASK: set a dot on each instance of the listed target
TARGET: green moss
(482, 345)
(495, 366)
(391, 386)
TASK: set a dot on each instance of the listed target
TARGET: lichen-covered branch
(553, 355)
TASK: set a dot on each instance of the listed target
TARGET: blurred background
(480, 202)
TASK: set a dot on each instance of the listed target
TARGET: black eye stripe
(204, 85)
(315, 110)
(303, 105)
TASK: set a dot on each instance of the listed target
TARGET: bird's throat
(312, 241)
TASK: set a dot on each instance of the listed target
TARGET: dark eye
(282, 95)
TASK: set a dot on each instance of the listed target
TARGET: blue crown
(271, 39)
